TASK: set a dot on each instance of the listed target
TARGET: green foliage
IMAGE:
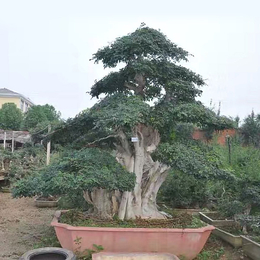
(229, 207)
(73, 200)
(250, 130)
(112, 113)
(87, 253)
(198, 175)
(119, 110)
(165, 116)
(244, 190)
(215, 254)
(144, 42)
(183, 191)
(40, 115)
(182, 131)
(10, 117)
(25, 161)
(151, 72)
(192, 158)
(77, 171)
(149, 54)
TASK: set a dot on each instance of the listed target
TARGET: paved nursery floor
(20, 225)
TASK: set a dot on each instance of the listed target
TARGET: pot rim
(45, 250)
(38, 197)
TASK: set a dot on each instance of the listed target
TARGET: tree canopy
(40, 115)
(150, 70)
(250, 130)
(10, 117)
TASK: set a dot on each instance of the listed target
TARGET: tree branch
(101, 139)
(130, 86)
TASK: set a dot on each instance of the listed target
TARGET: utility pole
(48, 148)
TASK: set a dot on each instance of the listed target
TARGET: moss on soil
(178, 220)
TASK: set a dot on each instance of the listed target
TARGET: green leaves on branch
(150, 69)
(77, 170)
(250, 130)
(145, 42)
(196, 160)
(178, 82)
(120, 111)
(181, 190)
(105, 118)
(165, 116)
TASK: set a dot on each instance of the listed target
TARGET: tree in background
(10, 117)
(42, 115)
(250, 130)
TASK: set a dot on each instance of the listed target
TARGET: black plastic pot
(49, 253)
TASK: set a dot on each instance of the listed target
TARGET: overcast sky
(45, 46)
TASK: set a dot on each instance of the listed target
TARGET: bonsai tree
(143, 102)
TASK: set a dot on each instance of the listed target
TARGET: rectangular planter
(235, 241)
(180, 242)
(251, 248)
(207, 217)
(189, 211)
(5, 190)
(45, 203)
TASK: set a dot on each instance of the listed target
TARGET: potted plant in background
(25, 162)
(237, 219)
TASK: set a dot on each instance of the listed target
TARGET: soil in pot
(178, 220)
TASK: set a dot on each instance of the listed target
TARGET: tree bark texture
(135, 157)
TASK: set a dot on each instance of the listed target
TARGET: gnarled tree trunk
(135, 157)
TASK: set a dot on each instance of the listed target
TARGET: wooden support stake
(12, 141)
(4, 140)
(48, 148)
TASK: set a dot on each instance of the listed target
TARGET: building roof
(4, 92)
(7, 91)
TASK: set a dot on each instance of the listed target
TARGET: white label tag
(134, 139)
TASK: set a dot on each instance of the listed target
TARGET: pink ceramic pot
(181, 242)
